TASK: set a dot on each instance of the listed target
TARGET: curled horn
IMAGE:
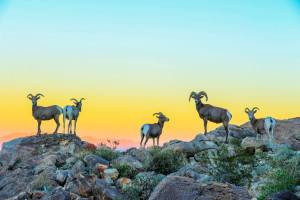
(193, 94)
(29, 96)
(255, 108)
(82, 99)
(39, 94)
(204, 94)
(74, 100)
(160, 114)
(247, 110)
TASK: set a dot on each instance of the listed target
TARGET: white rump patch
(145, 128)
(60, 109)
(229, 115)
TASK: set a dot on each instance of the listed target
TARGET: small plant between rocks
(167, 162)
(233, 166)
(141, 187)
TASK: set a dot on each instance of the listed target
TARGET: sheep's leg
(225, 124)
(158, 141)
(272, 131)
(39, 127)
(153, 141)
(147, 137)
(64, 122)
(56, 119)
(70, 125)
(142, 138)
(205, 126)
(75, 121)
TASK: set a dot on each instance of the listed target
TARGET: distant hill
(124, 144)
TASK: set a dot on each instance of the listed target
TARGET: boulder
(61, 176)
(122, 183)
(57, 194)
(85, 184)
(103, 191)
(76, 169)
(92, 160)
(112, 173)
(195, 172)
(199, 143)
(236, 133)
(253, 143)
(141, 154)
(283, 195)
(178, 188)
(107, 179)
(293, 142)
(129, 160)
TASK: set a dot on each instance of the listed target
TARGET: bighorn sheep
(262, 126)
(72, 113)
(210, 113)
(44, 113)
(153, 130)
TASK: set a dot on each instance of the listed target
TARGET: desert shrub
(126, 171)
(284, 154)
(82, 154)
(141, 187)
(278, 180)
(232, 165)
(155, 150)
(168, 161)
(107, 153)
(288, 160)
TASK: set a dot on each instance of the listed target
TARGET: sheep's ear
(255, 111)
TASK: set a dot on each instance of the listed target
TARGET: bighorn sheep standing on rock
(44, 113)
(262, 126)
(153, 130)
(210, 113)
(72, 113)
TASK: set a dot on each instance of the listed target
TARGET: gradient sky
(130, 59)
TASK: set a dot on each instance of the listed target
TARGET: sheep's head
(251, 112)
(78, 103)
(161, 116)
(34, 98)
(198, 96)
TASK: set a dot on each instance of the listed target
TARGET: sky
(130, 59)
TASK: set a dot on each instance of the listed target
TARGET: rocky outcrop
(283, 195)
(30, 163)
(236, 132)
(199, 143)
(177, 188)
(129, 160)
(48, 167)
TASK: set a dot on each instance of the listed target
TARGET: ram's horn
(192, 95)
(204, 94)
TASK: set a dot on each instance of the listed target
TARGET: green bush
(232, 165)
(284, 154)
(107, 153)
(141, 187)
(278, 180)
(167, 162)
(155, 150)
(126, 171)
